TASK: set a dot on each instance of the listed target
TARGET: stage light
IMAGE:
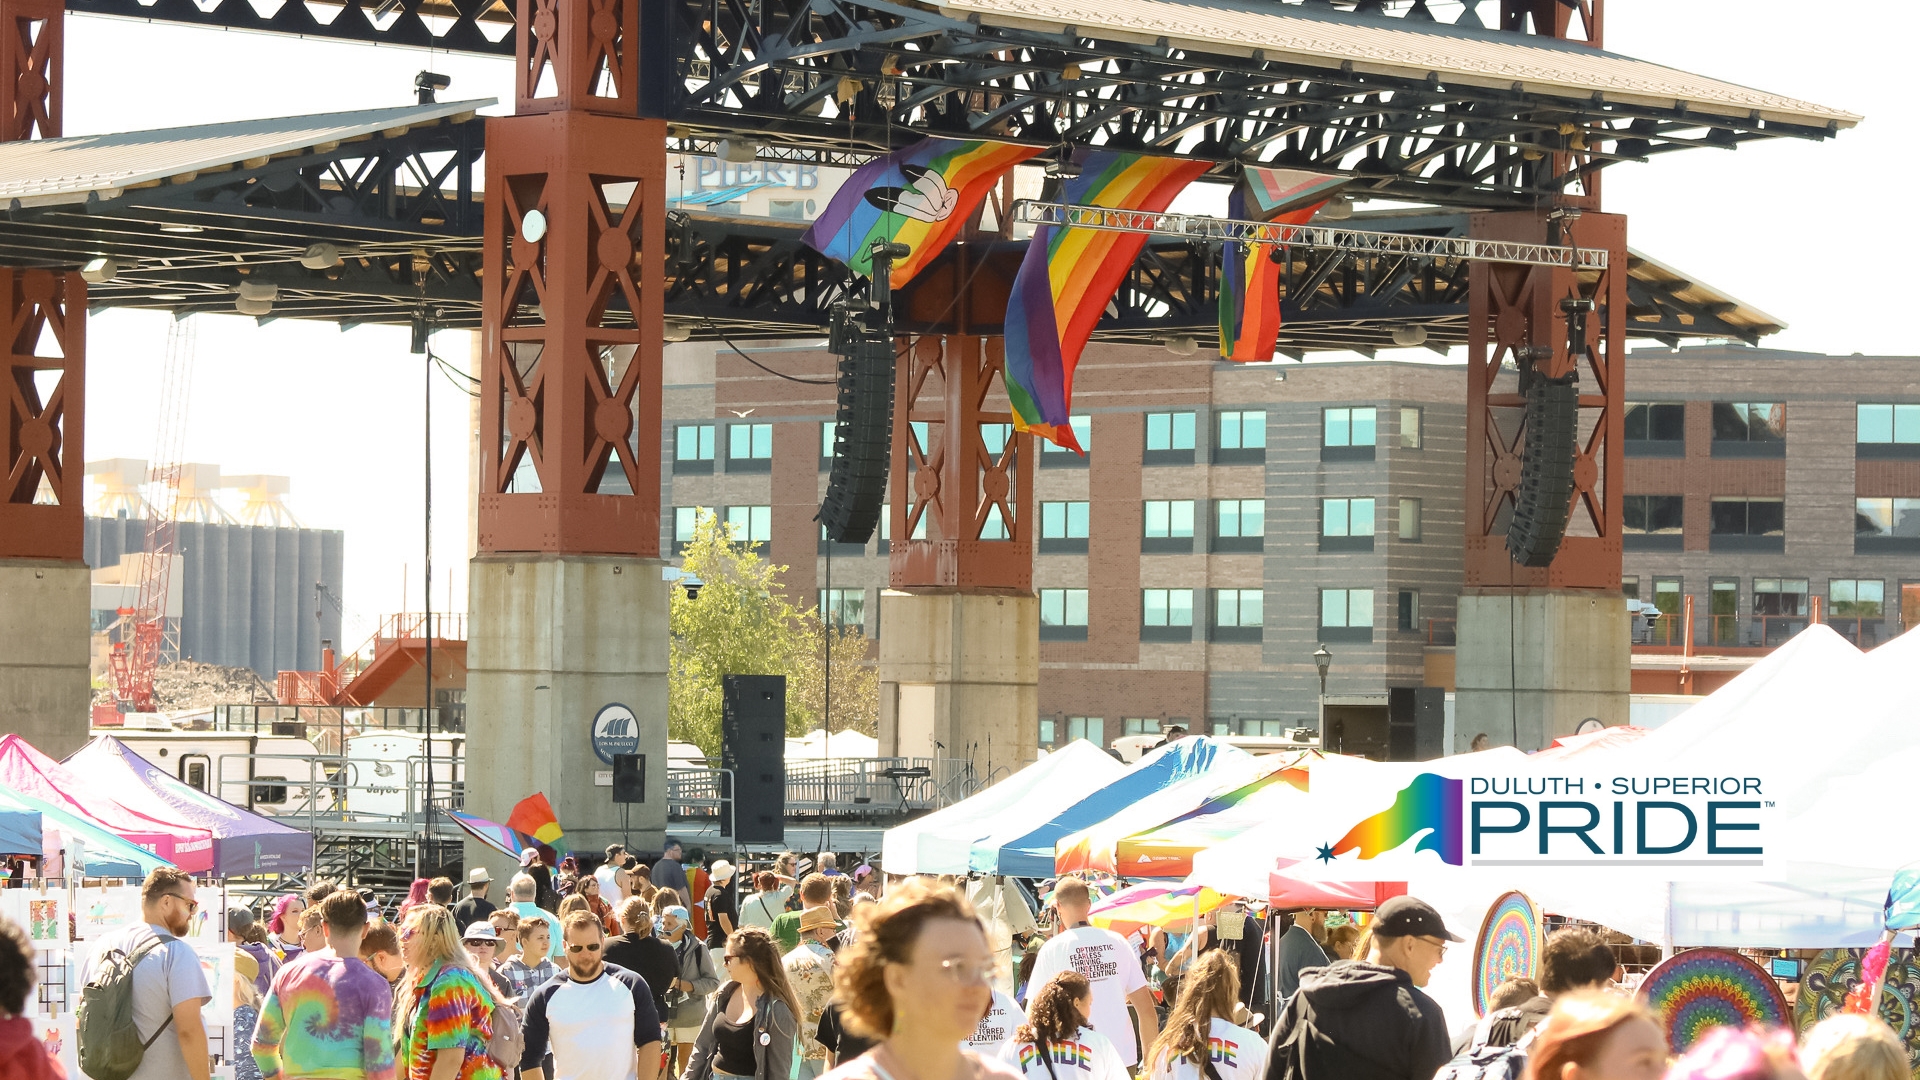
(99, 271)
(321, 256)
(259, 290)
(1338, 208)
(1409, 335)
(253, 307)
(739, 151)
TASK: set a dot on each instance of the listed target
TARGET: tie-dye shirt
(454, 1013)
(325, 1018)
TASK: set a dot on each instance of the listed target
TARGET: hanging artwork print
(1508, 948)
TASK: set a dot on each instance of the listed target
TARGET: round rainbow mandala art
(1508, 947)
(1702, 989)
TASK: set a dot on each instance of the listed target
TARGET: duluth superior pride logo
(1656, 821)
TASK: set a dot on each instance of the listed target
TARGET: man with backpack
(139, 1015)
(328, 1014)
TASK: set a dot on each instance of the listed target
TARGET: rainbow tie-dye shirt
(454, 1013)
(325, 1018)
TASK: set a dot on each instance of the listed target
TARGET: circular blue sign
(615, 731)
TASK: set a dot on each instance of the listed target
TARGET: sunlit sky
(1786, 226)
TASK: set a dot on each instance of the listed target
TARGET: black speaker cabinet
(753, 743)
(629, 778)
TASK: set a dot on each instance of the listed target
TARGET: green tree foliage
(742, 623)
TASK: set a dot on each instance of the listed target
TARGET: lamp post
(1323, 659)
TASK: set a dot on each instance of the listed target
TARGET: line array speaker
(1545, 495)
(862, 435)
(753, 743)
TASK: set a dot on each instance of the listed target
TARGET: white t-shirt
(1238, 1054)
(1110, 966)
(610, 888)
(1089, 1055)
(997, 1027)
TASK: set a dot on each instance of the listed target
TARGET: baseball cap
(1410, 916)
(860, 872)
(528, 856)
(479, 876)
(239, 919)
(675, 912)
(480, 930)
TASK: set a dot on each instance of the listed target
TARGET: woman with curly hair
(1056, 1040)
(916, 980)
(1200, 1031)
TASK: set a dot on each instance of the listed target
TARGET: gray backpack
(110, 1046)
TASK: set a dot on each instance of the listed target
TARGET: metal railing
(326, 726)
(838, 788)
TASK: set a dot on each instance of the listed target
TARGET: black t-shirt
(648, 957)
(725, 901)
(732, 1043)
(844, 1045)
(471, 910)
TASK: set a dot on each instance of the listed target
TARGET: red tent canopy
(30, 772)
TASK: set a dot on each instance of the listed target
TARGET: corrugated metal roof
(51, 172)
(1692, 292)
(1402, 48)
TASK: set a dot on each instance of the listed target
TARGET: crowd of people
(616, 975)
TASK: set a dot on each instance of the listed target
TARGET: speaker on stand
(753, 746)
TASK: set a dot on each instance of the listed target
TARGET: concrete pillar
(961, 670)
(551, 640)
(1540, 661)
(45, 688)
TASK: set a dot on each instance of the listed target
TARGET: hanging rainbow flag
(919, 196)
(1249, 276)
(1067, 278)
(534, 816)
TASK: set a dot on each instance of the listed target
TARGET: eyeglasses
(966, 972)
(730, 958)
(1436, 943)
(595, 947)
(192, 904)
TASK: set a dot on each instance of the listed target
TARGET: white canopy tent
(942, 842)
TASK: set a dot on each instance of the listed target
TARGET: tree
(742, 623)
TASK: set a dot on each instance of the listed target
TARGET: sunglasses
(730, 958)
(483, 944)
(407, 933)
(192, 904)
(595, 947)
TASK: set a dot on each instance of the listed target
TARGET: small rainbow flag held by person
(534, 817)
(1249, 275)
(919, 196)
(1067, 278)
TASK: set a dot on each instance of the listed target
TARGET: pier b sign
(615, 731)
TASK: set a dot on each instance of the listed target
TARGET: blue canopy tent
(100, 853)
(19, 831)
(1027, 851)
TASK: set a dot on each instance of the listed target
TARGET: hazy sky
(1773, 224)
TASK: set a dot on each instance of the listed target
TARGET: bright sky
(341, 413)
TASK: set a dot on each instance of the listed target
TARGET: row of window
(1228, 614)
(1055, 730)
(1884, 524)
(1760, 428)
(1778, 608)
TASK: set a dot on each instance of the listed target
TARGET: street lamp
(1323, 659)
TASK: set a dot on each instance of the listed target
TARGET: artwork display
(1508, 947)
(1701, 989)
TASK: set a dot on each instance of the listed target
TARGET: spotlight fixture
(1062, 165)
(321, 256)
(1409, 335)
(427, 83)
(1179, 344)
(180, 227)
(1338, 208)
(253, 307)
(676, 330)
(259, 291)
(739, 151)
(533, 226)
(99, 270)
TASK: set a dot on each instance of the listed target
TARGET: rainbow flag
(491, 833)
(534, 817)
(1067, 278)
(919, 196)
(1249, 274)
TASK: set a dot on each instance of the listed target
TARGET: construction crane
(144, 631)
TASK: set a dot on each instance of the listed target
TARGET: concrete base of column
(960, 678)
(551, 640)
(46, 691)
(1539, 661)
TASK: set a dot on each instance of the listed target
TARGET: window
(684, 520)
(787, 209)
(1346, 524)
(1409, 608)
(1743, 524)
(1887, 431)
(1666, 595)
(1167, 526)
(1063, 614)
(1410, 427)
(693, 448)
(1091, 728)
(1238, 614)
(1886, 525)
(1275, 729)
(1140, 725)
(1347, 434)
(1057, 457)
(749, 447)
(1046, 731)
(1166, 615)
(1653, 522)
(1241, 437)
(1346, 614)
(844, 608)
(1723, 610)
(1856, 598)
(1239, 524)
(826, 443)
(1169, 439)
(1656, 429)
(750, 524)
(1410, 519)
(1749, 429)
(1779, 596)
(1063, 527)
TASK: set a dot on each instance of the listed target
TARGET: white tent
(941, 842)
(817, 745)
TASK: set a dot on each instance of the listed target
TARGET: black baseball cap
(1408, 916)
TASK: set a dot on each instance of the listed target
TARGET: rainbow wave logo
(1431, 804)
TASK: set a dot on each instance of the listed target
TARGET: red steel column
(41, 512)
(32, 64)
(1511, 307)
(572, 319)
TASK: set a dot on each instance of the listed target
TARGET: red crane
(144, 631)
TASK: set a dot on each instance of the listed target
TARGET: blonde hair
(1210, 988)
(1851, 1047)
(244, 992)
(574, 903)
(436, 940)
